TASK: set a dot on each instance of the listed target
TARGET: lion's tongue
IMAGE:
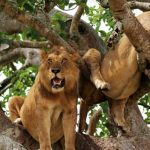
(57, 81)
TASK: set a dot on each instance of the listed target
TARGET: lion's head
(58, 72)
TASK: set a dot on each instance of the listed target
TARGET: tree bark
(139, 5)
(14, 134)
(134, 4)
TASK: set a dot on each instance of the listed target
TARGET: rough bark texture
(140, 5)
(9, 25)
(4, 122)
(133, 4)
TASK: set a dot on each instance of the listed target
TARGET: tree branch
(26, 44)
(4, 122)
(139, 5)
(29, 20)
(32, 56)
(148, 1)
(49, 5)
(10, 144)
(31, 44)
(76, 20)
(76, 39)
(10, 25)
(143, 5)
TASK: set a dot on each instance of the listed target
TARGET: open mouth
(57, 82)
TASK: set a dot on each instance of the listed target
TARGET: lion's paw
(17, 121)
(102, 85)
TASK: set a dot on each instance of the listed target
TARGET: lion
(49, 111)
(117, 72)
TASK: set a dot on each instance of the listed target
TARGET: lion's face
(58, 72)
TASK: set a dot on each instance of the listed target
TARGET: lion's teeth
(57, 81)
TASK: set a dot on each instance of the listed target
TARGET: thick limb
(93, 58)
(117, 108)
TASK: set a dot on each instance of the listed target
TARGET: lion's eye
(64, 60)
(49, 60)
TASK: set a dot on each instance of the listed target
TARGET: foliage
(145, 103)
(58, 24)
(102, 21)
(21, 80)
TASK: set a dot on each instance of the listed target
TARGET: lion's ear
(75, 57)
(43, 55)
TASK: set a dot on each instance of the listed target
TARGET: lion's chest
(56, 106)
(56, 115)
(56, 131)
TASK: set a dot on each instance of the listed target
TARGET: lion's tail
(14, 105)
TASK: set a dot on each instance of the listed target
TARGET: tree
(33, 21)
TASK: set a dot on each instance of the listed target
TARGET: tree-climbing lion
(117, 72)
(49, 110)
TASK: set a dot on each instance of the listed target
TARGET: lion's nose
(55, 70)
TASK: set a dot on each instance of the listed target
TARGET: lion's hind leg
(93, 58)
(14, 105)
(83, 114)
(117, 108)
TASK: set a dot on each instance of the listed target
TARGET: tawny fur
(49, 113)
(119, 70)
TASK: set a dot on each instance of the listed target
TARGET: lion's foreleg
(43, 129)
(14, 106)
(69, 125)
(93, 59)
